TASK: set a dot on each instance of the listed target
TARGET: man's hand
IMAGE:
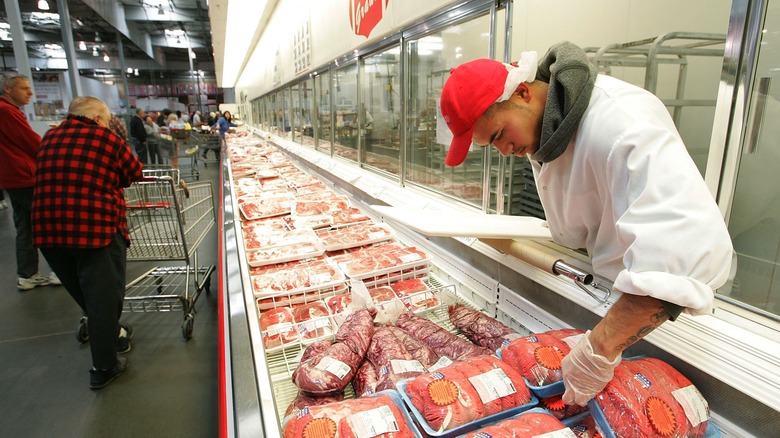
(585, 373)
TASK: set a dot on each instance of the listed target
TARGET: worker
(614, 177)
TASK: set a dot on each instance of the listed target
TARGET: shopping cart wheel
(81, 334)
(186, 327)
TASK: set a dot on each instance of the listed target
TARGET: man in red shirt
(80, 224)
(18, 146)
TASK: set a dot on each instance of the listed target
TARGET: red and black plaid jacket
(79, 199)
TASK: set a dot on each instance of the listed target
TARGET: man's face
(20, 93)
(142, 114)
(512, 127)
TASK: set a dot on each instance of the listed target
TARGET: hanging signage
(364, 15)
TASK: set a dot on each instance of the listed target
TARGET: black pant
(140, 149)
(95, 278)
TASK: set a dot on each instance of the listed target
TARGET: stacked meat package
(378, 354)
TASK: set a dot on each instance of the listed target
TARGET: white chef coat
(628, 192)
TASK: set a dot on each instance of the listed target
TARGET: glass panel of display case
(324, 126)
(296, 119)
(430, 60)
(345, 93)
(379, 114)
(306, 90)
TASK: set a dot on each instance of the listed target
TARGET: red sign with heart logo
(364, 15)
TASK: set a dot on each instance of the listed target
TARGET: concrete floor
(169, 390)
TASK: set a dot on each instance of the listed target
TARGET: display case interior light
(82, 46)
(43, 5)
(129, 70)
(95, 52)
(106, 58)
(135, 72)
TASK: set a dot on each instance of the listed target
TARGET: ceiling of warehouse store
(154, 36)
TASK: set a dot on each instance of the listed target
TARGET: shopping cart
(168, 220)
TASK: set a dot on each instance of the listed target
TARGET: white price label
(444, 361)
(409, 258)
(334, 366)
(322, 278)
(378, 421)
(695, 406)
(377, 235)
(406, 366)
(276, 329)
(493, 385)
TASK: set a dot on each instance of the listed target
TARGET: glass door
(754, 221)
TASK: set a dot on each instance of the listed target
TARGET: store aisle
(169, 390)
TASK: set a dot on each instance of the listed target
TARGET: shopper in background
(614, 177)
(118, 126)
(212, 119)
(18, 147)
(196, 122)
(224, 124)
(138, 134)
(80, 224)
(152, 140)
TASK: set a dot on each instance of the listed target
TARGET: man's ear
(523, 91)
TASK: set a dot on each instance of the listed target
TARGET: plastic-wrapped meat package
(538, 357)
(378, 413)
(480, 328)
(313, 320)
(348, 216)
(391, 360)
(560, 410)
(302, 400)
(466, 391)
(438, 339)
(327, 368)
(365, 380)
(646, 398)
(339, 303)
(526, 425)
(382, 294)
(415, 294)
(278, 327)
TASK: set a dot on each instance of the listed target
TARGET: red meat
(302, 400)
(316, 314)
(481, 329)
(366, 379)
(415, 294)
(527, 425)
(466, 391)
(391, 360)
(339, 303)
(639, 401)
(278, 327)
(342, 419)
(538, 357)
(419, 350)
(440, 340)
(327, 371)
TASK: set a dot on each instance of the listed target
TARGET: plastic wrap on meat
(467, 391)
(278, 327)
(391, 359)
(642, 400)
(302, 400)
(420, 351)
(350, 418)
(365, 380)
(440, 340)
(481, 329)
(527, 425)
(538, 357)
(339, 303)
(330, 370)
(415, 294)
(560, 410)
(313, 320)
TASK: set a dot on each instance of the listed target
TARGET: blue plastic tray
(449, 433)
(556, 388)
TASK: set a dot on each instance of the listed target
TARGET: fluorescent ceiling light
(243, 16)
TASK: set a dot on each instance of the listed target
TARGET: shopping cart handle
(149, 205)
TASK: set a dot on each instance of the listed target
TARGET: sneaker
(101, 378)
(123, 342)
(34, 281)
(54, 280)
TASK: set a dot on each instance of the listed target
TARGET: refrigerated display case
(256, 378)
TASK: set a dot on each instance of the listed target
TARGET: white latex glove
(585, 373)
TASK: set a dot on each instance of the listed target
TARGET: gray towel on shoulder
(571, 77)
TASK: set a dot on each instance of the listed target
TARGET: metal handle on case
(582, 279)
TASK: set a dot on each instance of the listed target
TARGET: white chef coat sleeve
(677, 246)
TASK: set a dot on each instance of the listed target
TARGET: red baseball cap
(469, 91)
